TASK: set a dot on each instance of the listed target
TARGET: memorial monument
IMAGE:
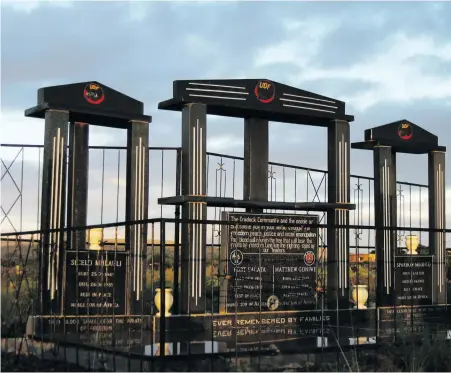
(268, 261)
(408, 284)
(78, 283)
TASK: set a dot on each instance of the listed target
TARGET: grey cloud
(366, 26)
(338, 88)
(425, 18)
(125, 54)
(432, 65)
(156, 50)
(349, 44)
(97, 43)
(60, 42)
(142, 57)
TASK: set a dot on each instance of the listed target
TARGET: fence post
(162, 287)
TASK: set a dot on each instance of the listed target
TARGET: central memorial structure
(257, 101)
(268, 261)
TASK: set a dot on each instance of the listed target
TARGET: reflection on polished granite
(214, 347)
(185, 348)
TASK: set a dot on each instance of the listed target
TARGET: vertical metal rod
(21, 190)
(162, 180)
(421, 218)
(177, 231)
(103, 185)
(39, 190)
(115, 249)
(295, 187)
(162, 287)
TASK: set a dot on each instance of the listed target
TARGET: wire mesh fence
(99, 324)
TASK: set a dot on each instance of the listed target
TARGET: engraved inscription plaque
(98, 330)
(413, 279)
(412, 319)
(95, 283)
(269, 261)
(253, 331)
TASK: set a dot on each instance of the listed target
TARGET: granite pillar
(437, 215)
(385, 208)
(338, 219)
(137, 191)
(194, 183)
(53, 201)
(255, 170)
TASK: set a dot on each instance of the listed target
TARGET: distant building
(353, 257)
(361, 258)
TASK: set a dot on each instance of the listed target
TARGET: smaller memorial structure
(411, 288)
(89, 293)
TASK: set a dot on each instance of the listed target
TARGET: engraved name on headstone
(411, 319)
(413, 279)
(95, 283)
(107, 331)
(271, 262)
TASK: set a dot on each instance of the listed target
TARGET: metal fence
(103, 339)
(136, 347)
(21, 176)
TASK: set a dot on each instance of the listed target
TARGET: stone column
(437, 215)
(255, 170)
(385, 207)
(338, 192)
(53, 203)
(194, 166)
(137, 202)
(78, 170)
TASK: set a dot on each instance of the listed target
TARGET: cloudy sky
(387, 61)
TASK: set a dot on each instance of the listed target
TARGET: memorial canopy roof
(257, 98)
(402, 136)
(90, 102)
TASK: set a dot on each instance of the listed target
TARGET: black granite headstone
(413, 280)
(259, 332)
(270, 260)
(95, 303)
(288, 331)
(98, 330)
(411, 320)
(95, 283)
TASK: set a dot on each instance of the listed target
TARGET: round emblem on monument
(405, 131)
(265, 91)
(309, 258)
(236, 257)
(273, 303)
(93, 93)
